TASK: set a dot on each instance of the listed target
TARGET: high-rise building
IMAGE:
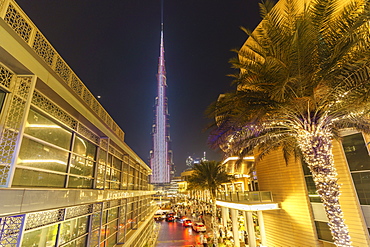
(161, 154)
(67, 177)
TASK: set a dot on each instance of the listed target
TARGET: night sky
(113, 46)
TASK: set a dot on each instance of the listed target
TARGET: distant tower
(161, 155)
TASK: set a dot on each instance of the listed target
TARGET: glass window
(112, 241)
(44, 237)
(117, 163)
(94, 238)
(95, 220)
(79, 182)
(124, 181)
(356, 152)
(112, 228)
(81, 242)
(30, 178)
(112, 214)
(362, 184)
(115, 175)
(34, 154)
(323, 231)
(104, 216)
(84, 148)
(81, 166)
(311, 188)
(42, 128)
(72, 229)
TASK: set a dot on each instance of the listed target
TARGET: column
(235, 224)
(261, 223)
(225, 216)
(250, 229)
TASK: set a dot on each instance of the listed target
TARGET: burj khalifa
(161, 154)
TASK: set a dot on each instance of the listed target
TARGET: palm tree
(304, 76)
(209, 175)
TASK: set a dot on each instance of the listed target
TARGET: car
(199, 227)
(159, 216)
(181, 219)
(187, 222)
(170, 218)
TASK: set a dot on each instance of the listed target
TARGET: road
(174, 234)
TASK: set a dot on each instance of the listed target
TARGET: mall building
(67, 178)
(300, 218)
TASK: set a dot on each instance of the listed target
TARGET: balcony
(247, 197)
(247, 200)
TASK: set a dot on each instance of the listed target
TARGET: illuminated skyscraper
(161, 155)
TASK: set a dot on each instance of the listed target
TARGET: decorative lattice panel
(42, 47)
(97, 207)
(82, 130)
(16, 21)
(87, 96)
(73, 212)
(5, 76)
(62, 69)
(10, 230)
(95, 106)
(49, 107)
(44, 218)
(104, 144)
(76, 85)
(115, 152)
(13, 121)
(103, 115)
(109, 121)
(114, 127)
(106, 205)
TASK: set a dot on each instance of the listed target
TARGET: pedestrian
(205, 242)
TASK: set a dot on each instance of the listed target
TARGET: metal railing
(246, 196)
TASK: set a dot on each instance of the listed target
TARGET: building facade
(301, 219)
(161, 154)
(67, 178)
(302, 213)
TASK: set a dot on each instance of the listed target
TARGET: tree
(209, 175)
(304, 76)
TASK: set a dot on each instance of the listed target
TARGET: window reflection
(356, 152)
(72, 229)
(84, 148)
(359, 163)
(38, 155)
(42, 128)
(44, 237)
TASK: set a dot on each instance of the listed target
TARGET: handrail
(246, 196)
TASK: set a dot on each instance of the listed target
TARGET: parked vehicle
(182, 219)
(187, 222)
(170, 218)
(159, 216)
(199, 227)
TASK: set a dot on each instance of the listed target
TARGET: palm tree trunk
(214, 222)
(316, 147)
